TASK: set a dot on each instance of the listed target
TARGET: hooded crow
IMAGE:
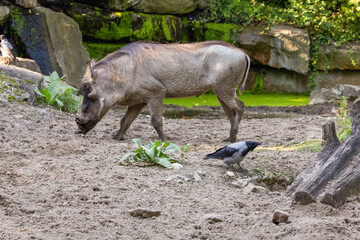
(7, 51)
(233, 153)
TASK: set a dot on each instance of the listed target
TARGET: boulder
(120, 5)
(27, 3)
(278, 80)
(18, 83)
(280, 47)
(54, 46)
(24, 63)
(331, 57)
(142, 6)
(166, 6)
(324, 95)
(4, 12)
(331, 78)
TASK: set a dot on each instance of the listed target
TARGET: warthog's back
(186, 69)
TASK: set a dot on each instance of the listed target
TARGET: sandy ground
(58, 185)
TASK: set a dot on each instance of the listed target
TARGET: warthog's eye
(85, 87)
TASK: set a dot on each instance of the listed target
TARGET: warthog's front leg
(131, 114)
(156, 112)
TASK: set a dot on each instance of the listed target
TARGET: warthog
(143, 74)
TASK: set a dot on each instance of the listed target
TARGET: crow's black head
(252, 145)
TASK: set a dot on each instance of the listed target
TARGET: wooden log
(335, 173)
(348, 181)
(330, 143)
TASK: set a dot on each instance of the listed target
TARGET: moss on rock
(125, 26)
(213, 31)
(221, 31)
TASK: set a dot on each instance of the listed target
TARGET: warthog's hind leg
(131, 114)
(234, 109)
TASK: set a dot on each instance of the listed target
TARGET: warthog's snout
(84, 124)
(81, 121)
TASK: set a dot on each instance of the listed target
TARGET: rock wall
(55, 47)
(280, 55)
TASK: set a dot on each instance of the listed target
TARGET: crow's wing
(6, 44)
(222, 153)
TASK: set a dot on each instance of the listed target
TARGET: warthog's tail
(242, 88)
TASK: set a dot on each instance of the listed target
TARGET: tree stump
(334, 175)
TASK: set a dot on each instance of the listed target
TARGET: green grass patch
(311, 145)
(265, 99)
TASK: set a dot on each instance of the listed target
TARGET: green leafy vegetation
(326, 21)
(71, 101)
(264, 99)
(57, 93)
(343, 120)
(155, 152)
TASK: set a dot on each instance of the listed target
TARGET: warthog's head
(98, 97)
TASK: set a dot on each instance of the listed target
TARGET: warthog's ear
(92, 65)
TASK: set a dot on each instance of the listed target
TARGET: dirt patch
(58, 185)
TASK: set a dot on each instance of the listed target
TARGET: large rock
(18, 83)
(27, 3)
(331, 78)
(280, 47)
(324, 95)
(166, 6)
(54, 46)
(278, 80)
(24, 63)
(332, 57)
(4, 12)
(120, 5)
(148, 6)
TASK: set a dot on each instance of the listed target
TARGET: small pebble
(177, 166)
(280, 217)
(230, 174)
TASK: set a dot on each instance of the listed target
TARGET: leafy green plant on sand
(55, 90)
(343, 120)
(155, 152)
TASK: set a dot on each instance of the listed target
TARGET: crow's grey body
(233, 153)
(7, 51)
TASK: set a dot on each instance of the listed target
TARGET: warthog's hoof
(229, 140)
(118, 137)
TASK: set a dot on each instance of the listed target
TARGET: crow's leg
(230, 168)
